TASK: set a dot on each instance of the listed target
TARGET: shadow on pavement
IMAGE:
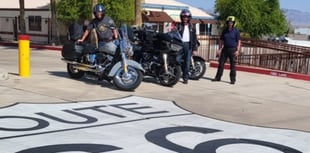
(206, 78)
(90, 81)
(16, 74)
(148, 79)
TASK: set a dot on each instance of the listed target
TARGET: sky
(301, 5)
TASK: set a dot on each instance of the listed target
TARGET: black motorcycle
(110, 62)
(197, 64)
(197, 67)
(157, 52)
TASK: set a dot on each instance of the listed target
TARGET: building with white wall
(37, 15)
(205, 24)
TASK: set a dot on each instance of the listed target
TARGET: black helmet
(99, 8)
(185, 12)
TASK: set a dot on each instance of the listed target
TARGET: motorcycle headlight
(176, 47)
(129, 50)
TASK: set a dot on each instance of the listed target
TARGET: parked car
(281, 39)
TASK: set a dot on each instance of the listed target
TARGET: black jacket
(193, 37)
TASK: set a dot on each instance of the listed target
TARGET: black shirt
(103, 28)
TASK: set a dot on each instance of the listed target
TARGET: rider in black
(104, 27)
(189, 38)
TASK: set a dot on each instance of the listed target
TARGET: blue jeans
(107, 47)
(184, 58)
(101, 44)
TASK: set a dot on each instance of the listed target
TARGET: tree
(54, 31)
(138, 19)
(94, 2)
(74, 10)
(122, 11)
(22, 16)
(254, 17)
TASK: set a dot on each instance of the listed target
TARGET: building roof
(204, 21)
(156, 16)
(29, 4)
(173, 8)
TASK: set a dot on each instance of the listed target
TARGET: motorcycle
(110, 62)
(157, 52)
(197, 67)
(197, 64)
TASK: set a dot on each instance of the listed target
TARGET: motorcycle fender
(129, 63)
(198, 58)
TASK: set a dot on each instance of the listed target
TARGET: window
(156, 26)
(35, 23)
(204, 30)
(160, 27)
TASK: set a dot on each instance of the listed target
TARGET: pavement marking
(131, 125)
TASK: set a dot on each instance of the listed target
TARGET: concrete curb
(15, 44)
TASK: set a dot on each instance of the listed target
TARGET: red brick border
(33, 46)
(266, 71)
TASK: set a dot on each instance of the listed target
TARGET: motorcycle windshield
(171, 35)
(125, 44)
(174, 34)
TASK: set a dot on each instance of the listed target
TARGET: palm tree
(138, 19)
(93, 37)
(22, 16)
(54, 29)
(94, 2)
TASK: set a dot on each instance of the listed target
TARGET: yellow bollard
(24, 55)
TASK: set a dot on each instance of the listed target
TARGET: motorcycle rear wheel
(73, 72)
(197, 70)
(129, 81)
(172, 77)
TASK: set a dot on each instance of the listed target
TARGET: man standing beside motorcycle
(104, 27)
(189, 38)
(229, 47)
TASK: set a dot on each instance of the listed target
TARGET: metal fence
(264, 54)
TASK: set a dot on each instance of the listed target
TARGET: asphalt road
(255, 99)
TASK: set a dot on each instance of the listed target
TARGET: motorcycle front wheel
(73, 72)
(197, 70)
(170, 78)
(128, 81)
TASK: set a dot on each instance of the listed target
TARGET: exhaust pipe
(81, 66)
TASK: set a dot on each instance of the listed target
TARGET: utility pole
(138, 19)
(22, 16)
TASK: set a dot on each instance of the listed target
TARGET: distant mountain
(297, 18)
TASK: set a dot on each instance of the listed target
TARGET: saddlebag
(71, 51)
(75, 31)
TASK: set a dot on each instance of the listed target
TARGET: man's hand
(218, 53)
(237, 53)
(195, 53)
(79, 41)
